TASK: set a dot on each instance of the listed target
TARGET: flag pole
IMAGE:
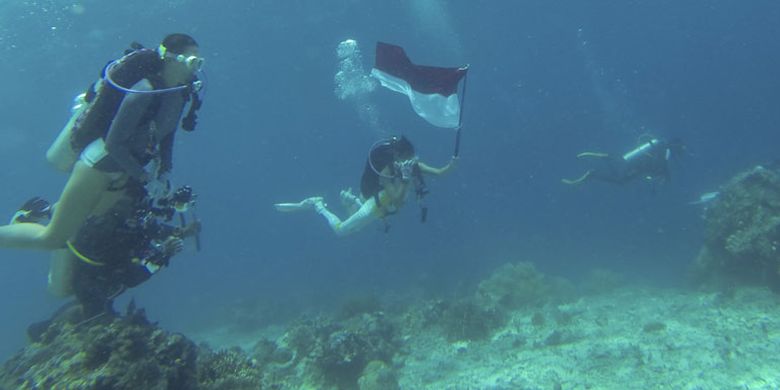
(460, 117)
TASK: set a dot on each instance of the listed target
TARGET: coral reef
(743, 231)
(462, 319)
(128, 352)
(106, 352)
(378, 376)
(519, 285)
(338, 353)
(621, 338)
(476, 317)
(229, 369)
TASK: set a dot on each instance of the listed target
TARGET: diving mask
(193, 63)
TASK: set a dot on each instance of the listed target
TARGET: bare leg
(350, 202)
(61, 273)
(357, 221)
(82, 193)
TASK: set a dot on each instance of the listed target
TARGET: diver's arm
(425, 168)
(167, 119)
(166, 153)
(124, 125)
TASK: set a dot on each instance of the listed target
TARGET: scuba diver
(124, 247)
(391, 170)
(649, 161)
(121, 133)
(116, 250)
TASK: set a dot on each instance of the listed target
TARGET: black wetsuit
(118, 247)
(109, 247)
(651, 163)
(380, 158)
(143, 127)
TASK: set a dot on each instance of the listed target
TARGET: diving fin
(35, 210)
(306, 204)
(577, 180)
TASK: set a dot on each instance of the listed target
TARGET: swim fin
(593, 154)
(306, 204)
(577, 180)
(35, 210)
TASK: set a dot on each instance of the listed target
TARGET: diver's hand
(172, 245)
(451, 164)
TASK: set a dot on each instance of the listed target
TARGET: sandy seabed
(630, 338)
(627, 339)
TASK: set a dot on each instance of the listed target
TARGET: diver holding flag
(392, 168)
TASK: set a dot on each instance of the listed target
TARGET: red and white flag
(433, 91)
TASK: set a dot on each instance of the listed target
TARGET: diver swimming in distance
(648, 161)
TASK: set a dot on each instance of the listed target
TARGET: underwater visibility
(418, 194)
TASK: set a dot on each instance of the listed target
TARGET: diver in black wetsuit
(649, 161)
(117, 250)
(126, 246)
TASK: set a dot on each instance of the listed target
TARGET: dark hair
(390, 150)
(178, 43)
(381, 156)
(402, 147)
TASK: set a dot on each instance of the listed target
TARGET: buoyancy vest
(104, 99)
(381, 157)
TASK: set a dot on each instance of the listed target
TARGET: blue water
(547, 80)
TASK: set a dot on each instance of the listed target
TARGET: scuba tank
(94, 110)
(60, 154)
(642, 149)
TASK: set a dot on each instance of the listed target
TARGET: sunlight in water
(433, 20)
